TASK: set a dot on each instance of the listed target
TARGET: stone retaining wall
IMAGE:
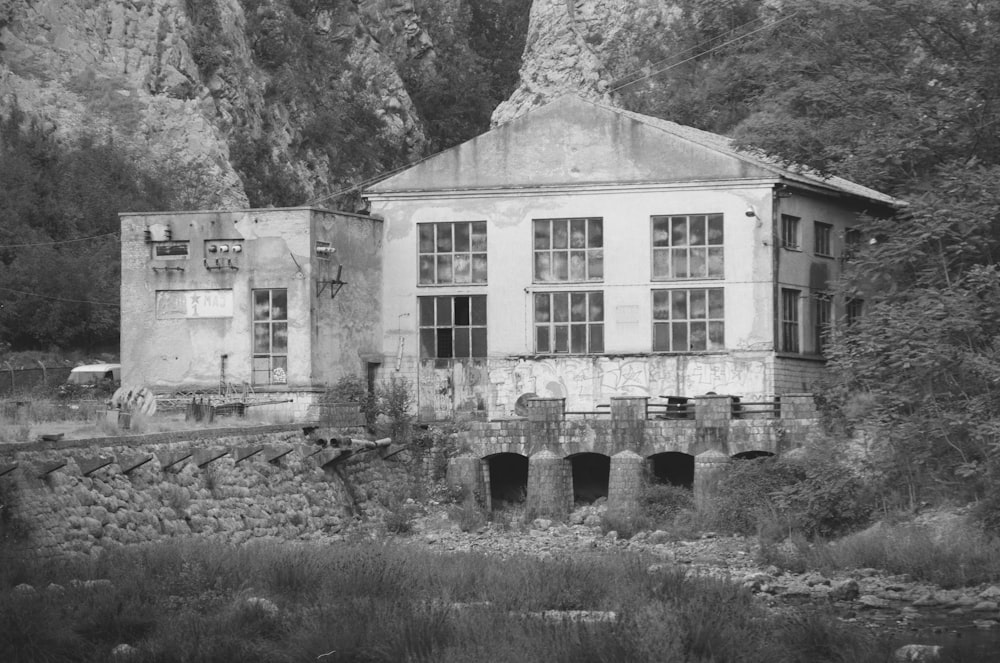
(234, 484)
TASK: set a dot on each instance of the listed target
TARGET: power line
(58, 241)
(61, 299)
(705, 52)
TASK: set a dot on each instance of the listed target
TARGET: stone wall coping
(138, 441)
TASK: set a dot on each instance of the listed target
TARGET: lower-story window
(569, 322)
(790, 320)
(689, 320)
(270, 336)
(452, 326)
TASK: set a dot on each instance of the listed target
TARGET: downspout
(775, 281)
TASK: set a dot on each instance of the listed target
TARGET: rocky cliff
(281, 102)
(583, 47)
(210, 86)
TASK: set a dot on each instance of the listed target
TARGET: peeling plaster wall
(175, 350)
(627, 285)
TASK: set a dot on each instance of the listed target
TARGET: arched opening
(750, 455)
(508, 479)
(590, 477)
(673, 468)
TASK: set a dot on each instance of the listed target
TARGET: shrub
(818, 498)
(395, 399)
(626, 522)
(662, 502)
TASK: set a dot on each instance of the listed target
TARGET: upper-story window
(822, 239)
(688, 247)
(569, 250)
(790, 232)
(452, 252)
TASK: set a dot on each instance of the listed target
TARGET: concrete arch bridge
(552, 458)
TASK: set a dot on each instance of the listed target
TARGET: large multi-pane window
(790, 320)
(452, 326)
(790, 231)
(822, 316)
(688, 247)
(569, 322)
(270, 336)
(452, 252)
(568, 250)
(688, 320)
(822, 234)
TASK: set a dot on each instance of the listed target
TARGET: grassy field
(374, 602)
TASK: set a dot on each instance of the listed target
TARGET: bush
(662, 502)
(817, 498)
(626, 522)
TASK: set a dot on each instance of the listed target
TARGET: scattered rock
(927, 601)
(991, 593)
(917, 653)
(872, 601)
(985, 623)
(845, 590)
(986, 606)
(266, 606)
(24, 588)
(541, 523)
(123, 651)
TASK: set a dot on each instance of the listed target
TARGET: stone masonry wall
(229, 484)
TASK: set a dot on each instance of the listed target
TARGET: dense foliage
(56, 287)
(902, 96)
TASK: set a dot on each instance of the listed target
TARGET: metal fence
(23, 380)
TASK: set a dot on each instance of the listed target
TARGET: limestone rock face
(579, 47)
(128, 71)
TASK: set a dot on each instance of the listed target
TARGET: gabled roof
(574, 142)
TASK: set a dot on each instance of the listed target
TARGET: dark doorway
(673, 468)
(508, 479)
(590, 477)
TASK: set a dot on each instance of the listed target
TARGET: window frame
(446, 328)
(664, 251)
(791, 317)
(430, 249)
(667, 327)
(569, 329)
(822, 321)
(854, 308)
(791, 229)
(592, 250)
(277, 362)
(823, 239)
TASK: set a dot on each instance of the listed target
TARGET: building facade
(579, 252)
(585, 252)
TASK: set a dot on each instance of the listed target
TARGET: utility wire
(705, 52)
(58, 241)
(686, 50)
(61, 299)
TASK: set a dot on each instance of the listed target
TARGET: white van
(94, 373)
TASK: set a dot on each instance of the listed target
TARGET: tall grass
(202, 601)
(952, 559)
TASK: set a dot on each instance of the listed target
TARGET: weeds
(384, 603)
